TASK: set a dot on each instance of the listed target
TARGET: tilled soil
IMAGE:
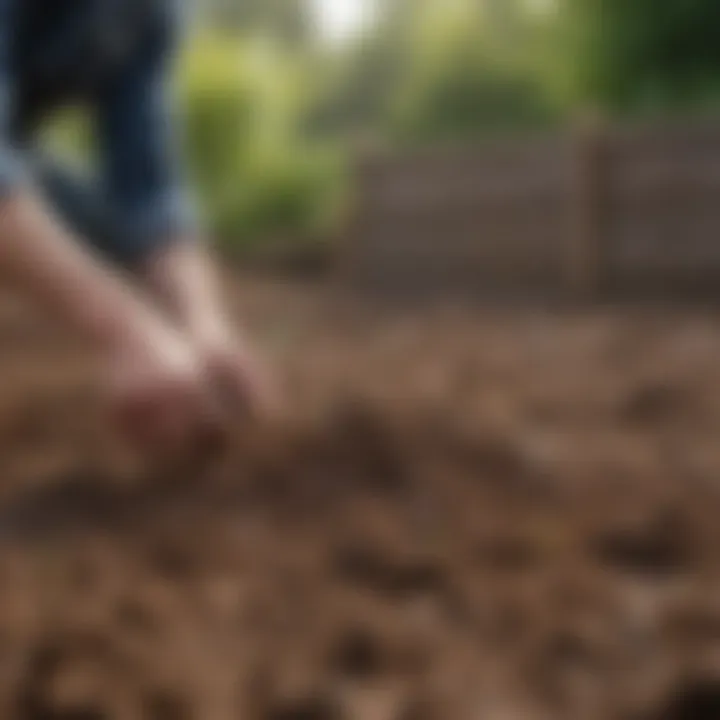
(486, 515)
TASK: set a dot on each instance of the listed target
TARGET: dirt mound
(497, 516)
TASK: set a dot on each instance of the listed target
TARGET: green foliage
(256, 176)
(467, 76)
(645, 53)
(434, 72)
(69, 135)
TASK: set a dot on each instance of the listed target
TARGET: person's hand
(181, 279)
(159, 395)
(238, 376)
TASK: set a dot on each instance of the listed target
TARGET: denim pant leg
(82, 207)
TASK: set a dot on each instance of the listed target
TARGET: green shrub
(256, 174)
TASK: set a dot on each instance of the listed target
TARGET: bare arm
(39, 257)
(154, 379)
(182, 278)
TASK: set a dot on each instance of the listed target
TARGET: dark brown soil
(465, 516)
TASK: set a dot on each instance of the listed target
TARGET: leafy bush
(256, 173)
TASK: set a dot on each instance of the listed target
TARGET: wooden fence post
(350, 257)
(586, 251)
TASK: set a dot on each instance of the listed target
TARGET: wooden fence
(594, 211)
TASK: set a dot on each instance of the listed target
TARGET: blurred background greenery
(279, 95)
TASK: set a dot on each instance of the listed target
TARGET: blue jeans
(115, 57)
(83, 209)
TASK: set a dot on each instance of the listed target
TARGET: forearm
(40, 258)
(182, 277)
